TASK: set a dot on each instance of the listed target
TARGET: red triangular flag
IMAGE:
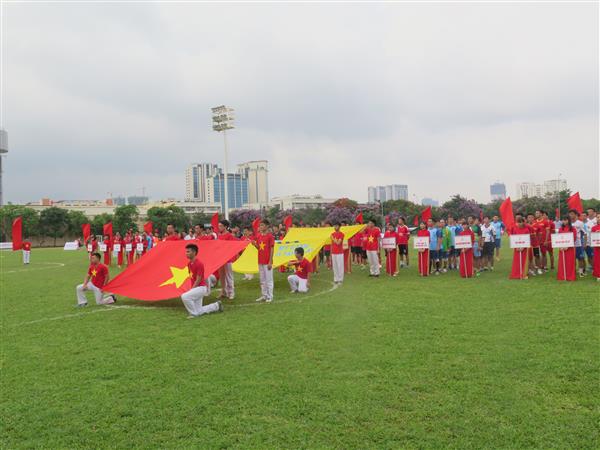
(426, 214)
(86, 231)
(107, 228)
(359, 218)
(288, 222)
(506, 212)
(214, 222)
(416, 221)
(557, 214)
(17, 233)
(163, 273)
(148, 227)
(574, 202)
(255, 224)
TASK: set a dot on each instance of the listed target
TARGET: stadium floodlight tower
(3, 150)
(222, 120)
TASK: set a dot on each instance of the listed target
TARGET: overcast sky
(446, 98)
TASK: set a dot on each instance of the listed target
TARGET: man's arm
(86, 280)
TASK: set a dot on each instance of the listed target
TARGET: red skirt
(466, 263)
(519, 265)
(107, 258)
(424, 263)
(391, 261)
(566, 265)
(596, 272)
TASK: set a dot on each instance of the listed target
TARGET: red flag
(86, 231)
(574, 202)
(17, 233)
(387, 220)
(288, 222)
(107, 229)
(163, 273)
(214, 222)
(506, 212)
(148, 227)
(426, 214)
(557, 213)
(255, 224)
(359, 218)
(416, 221)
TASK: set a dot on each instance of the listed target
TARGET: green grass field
(400, 362)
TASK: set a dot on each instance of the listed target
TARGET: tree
(200, 219)
(76, 220)
(243, 217)
(162, 216)
(125, 218)
(99, 221)
(345, 203)
(340, 214)
(54, 222)
(458, 207)
(31, 221)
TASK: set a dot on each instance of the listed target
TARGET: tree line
(55, 223)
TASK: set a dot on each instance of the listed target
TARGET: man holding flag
(226, 271)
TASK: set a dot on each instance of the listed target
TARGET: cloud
(446, 98)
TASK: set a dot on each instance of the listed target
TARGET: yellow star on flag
(262, 245)
(94, 273)
(299, 269)
(178, 276)
(370, 238)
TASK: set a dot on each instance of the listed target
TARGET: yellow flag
(310, 239)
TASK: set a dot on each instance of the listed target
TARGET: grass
(378, 363)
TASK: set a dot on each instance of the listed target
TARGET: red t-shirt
(227, 236)
(98, 274)
(265, 244)
(172, 237)
(403, 235)
(303, 268)
(337, 249)
(206, 237)
(534, 231)
(372, 235)
(26, 246)
(108, 244)
(196, 269)
(542, 227)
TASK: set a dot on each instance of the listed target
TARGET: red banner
(214, 222)
(426, 214)
(359, 218)
(17, 233)
(255, 224)
(86, 231)
(288, 222)
(148, 227)
(574, 202)
(506, 212)
(107, 229)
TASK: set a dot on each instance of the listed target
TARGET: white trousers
(373, 259)
(266, 281)
(192, 300)
(226, 277)
(248, 276)
(297, 283)
(26, 256)
(82, 300)
(337, 261)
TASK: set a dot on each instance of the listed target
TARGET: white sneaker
(539, 271)
(260, 299)
(269, 300)
(293, 291)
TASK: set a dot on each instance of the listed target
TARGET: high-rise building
(237, 190)
(524, 190)
(257, 174)
(554, 186)
(548, 187)
(498, 191)
(196, 176)
(389, 192)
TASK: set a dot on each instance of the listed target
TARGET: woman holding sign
(595, 235)
(423, 249)
(521, 250)
(566, 255)
(390, 238)
(466, 253)
(118, 249)
(106, 247)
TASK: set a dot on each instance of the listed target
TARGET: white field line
(298, 299)
(51, 265)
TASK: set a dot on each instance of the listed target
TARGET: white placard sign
(520, 240)
(102, 247)
(89, 248)
(117, 248)
(421, 243)
(388, 243)
(595, 239)
(71, 245)
(345, 244)
(128, 247)
(461, 242)
(139, 247)
(563, 240)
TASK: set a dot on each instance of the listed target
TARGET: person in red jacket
(423, 252)
(596, 260)
(391, 255)
(566, 256)
(108, 243)
(519, 264)
(95, 280)
(465, 262)
(26, 247)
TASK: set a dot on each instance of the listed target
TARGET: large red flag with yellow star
(162, 272)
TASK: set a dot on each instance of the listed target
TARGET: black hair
(299, 250)
(265, 221)
(574, 211)
(193, 247)
(97, 255)
(225, 223)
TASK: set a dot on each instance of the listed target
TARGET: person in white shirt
(591, 222)
(579, 240)
(488, 236)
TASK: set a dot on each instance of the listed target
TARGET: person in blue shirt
(499, 228)
(455, 229)
(435, 242)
